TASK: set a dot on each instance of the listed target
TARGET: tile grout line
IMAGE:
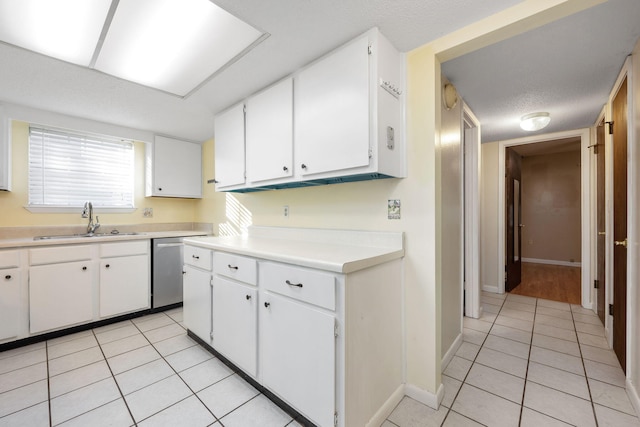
(526, 372)
(584, 368)
(178, 375)
(46, 354)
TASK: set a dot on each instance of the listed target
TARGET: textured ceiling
(566, 68)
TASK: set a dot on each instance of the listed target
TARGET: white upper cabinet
(174, 168)
(5, 152)
(269, 125)
(332, 112)
(229, 143)
(344, 122)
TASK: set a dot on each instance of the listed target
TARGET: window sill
(77, 209)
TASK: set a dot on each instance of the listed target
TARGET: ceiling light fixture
(175, 46)
(534, 121)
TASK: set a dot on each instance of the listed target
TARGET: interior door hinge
(610, 309)
(610, 127)
(369, 51)
(211, 281)
(336, 330)
(596, 284)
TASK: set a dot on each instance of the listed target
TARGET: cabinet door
(177, 168)
(197, 302)
(60, 295)
(332, 112)
(297, 353)
(235, 323)
(229, 147)
(270, 133)
(5, 152)
(10, 280)
(124, 284)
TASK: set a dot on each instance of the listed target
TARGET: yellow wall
(13, 213)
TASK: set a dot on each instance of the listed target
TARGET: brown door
(513, 189)
(600, 275)
(620, 224)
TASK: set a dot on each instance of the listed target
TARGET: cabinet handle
(267, 304)
(232, 267)
(303, 166)
(284, 168)
(8, 277)
(297, 285)
(248, 297)
(84, 268)
(108, 265)
(195, 257)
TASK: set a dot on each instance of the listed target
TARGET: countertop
(27, 242)
(339, 251)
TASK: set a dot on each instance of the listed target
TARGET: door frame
(471, 168)
(585, 202)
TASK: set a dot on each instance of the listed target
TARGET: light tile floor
(144, 372)
(528, 362)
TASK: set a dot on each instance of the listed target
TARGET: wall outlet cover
(393, 209)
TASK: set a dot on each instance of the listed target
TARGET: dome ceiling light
(534, 121)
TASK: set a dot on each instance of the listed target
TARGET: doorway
(581, 137)
(543, 192)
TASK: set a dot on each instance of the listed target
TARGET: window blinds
(67, 169)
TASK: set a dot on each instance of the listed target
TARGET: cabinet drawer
(9, 259)
(309, 286)
(197, 257)
(236, 267)
(59, 254)
(139, 247)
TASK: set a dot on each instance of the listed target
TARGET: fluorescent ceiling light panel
(65, 29)
(172, 45)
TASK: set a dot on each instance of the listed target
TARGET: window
(68, 169)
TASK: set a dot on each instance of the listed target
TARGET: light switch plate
(393, 209)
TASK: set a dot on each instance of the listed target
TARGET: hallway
(528, 362)
(552, 282)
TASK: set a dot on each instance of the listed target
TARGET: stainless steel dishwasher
(166, 281)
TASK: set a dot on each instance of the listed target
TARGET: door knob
(601, 233)
(520, 225)
(621, 243)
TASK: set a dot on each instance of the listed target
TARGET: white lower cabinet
(124, 277)
(124, 284)
(235, 323)
(197, 300)
(297, 356)
(10, 302)
(60, 295)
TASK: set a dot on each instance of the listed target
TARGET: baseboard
(632, 392)
(451, 352)
(425, 397)
(492, 289)
(552, 262)
(387, 408)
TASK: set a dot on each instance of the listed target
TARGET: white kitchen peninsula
(314, 316)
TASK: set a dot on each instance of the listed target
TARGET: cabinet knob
(84, 268)
(159, 189)
(232, 267)
(267, 304)
(297, 285)
(184, 272)
(284, 168)
(248, 297)
(8, 277)
(107, 266)
(195, 257)
(303, 166)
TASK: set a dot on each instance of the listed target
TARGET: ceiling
(566, 68)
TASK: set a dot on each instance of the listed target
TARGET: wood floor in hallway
(552, 282)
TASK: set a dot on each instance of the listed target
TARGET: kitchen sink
(85, 235)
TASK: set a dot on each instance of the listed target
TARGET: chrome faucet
(87, 212)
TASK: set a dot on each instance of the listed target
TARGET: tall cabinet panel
(270, 133)
(230, 149)
(332, 112)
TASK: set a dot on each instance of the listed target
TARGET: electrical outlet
(147, 213)
(285, 211)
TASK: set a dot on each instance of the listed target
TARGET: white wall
(489, 263)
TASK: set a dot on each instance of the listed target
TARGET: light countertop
(339, 251)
